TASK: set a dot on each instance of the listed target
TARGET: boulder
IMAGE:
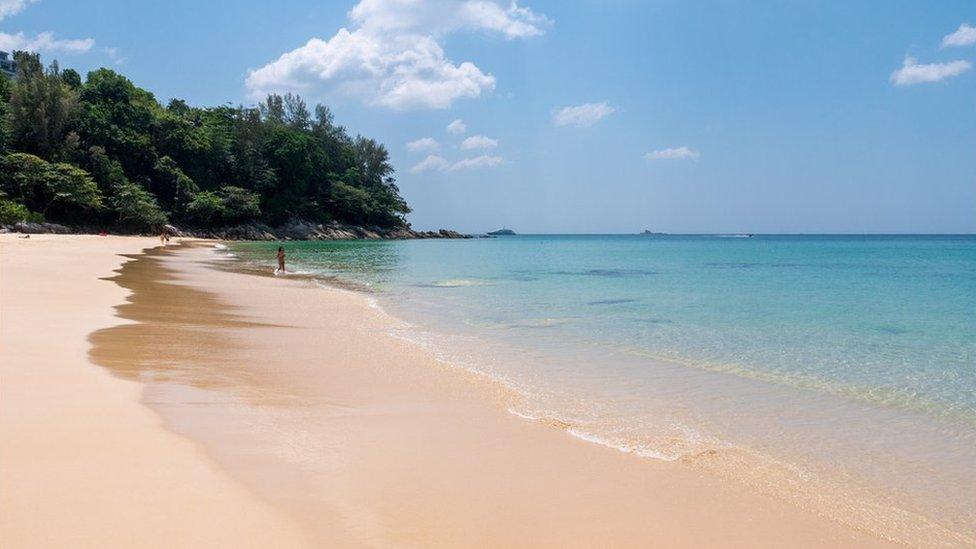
(41, 228)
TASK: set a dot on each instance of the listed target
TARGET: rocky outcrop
(296, 229)
(40, 228)
(304, 230)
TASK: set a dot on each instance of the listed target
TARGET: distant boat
(502, 232)
(652, 233)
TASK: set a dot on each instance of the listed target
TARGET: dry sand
(301, 394)
(82, 462)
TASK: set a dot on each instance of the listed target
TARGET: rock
(41, 228)
(172, 230)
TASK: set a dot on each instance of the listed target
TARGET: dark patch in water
(611, 301)
(893, 330)
(614, 273)
(608, 273)
(654, 321)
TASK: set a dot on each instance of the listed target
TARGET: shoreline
(853, 493)
(410, 414)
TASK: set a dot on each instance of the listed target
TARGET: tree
(137, 208)
(67, 143)
(239, 205)
(296, 113)
(273, 109)
(41, 108)
(206, 209)
(41, 186)
(118, 117)
(71, 78)
(173, 188)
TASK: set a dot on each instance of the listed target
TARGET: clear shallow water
(832, 357)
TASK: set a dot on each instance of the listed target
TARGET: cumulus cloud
(457, 127)
(431, 163)
(586, 114)
(393, 56)
(478, 142)
(965, 35)
(423, 144)
(911, 72)
(440, 164)
(483, 161)
(441, 17)
(44, 42)
(677, 153)
(13, 7)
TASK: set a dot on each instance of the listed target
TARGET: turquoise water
(844, 356)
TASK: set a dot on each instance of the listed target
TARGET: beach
(225, 409)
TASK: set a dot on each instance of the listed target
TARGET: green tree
(41, 108)
(239, 205)
(136, 207)
(46, 188)
(173, 188)
(206, 209)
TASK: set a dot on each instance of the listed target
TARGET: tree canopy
(105, 152)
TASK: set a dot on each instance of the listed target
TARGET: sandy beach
(181, 404)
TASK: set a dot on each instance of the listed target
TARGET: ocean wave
(457, 283)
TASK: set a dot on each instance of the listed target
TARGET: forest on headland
(100, 153)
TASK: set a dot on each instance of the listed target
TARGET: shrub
(206, 208)
(12, 212)
(137, 207)
(239, 205)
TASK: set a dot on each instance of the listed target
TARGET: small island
(502, 232)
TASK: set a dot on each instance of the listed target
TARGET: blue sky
(720, 116)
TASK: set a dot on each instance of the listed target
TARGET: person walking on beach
(281, 260)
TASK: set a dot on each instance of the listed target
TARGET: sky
(588, 116)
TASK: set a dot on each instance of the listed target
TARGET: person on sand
(281, 260)
(162, 238)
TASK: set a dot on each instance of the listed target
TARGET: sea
(836, 371)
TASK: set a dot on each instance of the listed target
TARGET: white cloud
(483, 161)
(441, 17)
(965, 35)
(13, 7)
(423, 144)
(393, 55)
(431, 163)
(677, 153)
(434, 163)
(586, 114)
(478, 142)
(44, 42)
(911, 72)
(457, 127)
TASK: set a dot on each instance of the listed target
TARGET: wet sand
(83, 462)
(301, 393)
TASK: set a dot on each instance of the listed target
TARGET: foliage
(239, 204)
(206, 209)
(12, 212)
(60, 188)
(137, 207)
(41, 107)
(65, 143)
